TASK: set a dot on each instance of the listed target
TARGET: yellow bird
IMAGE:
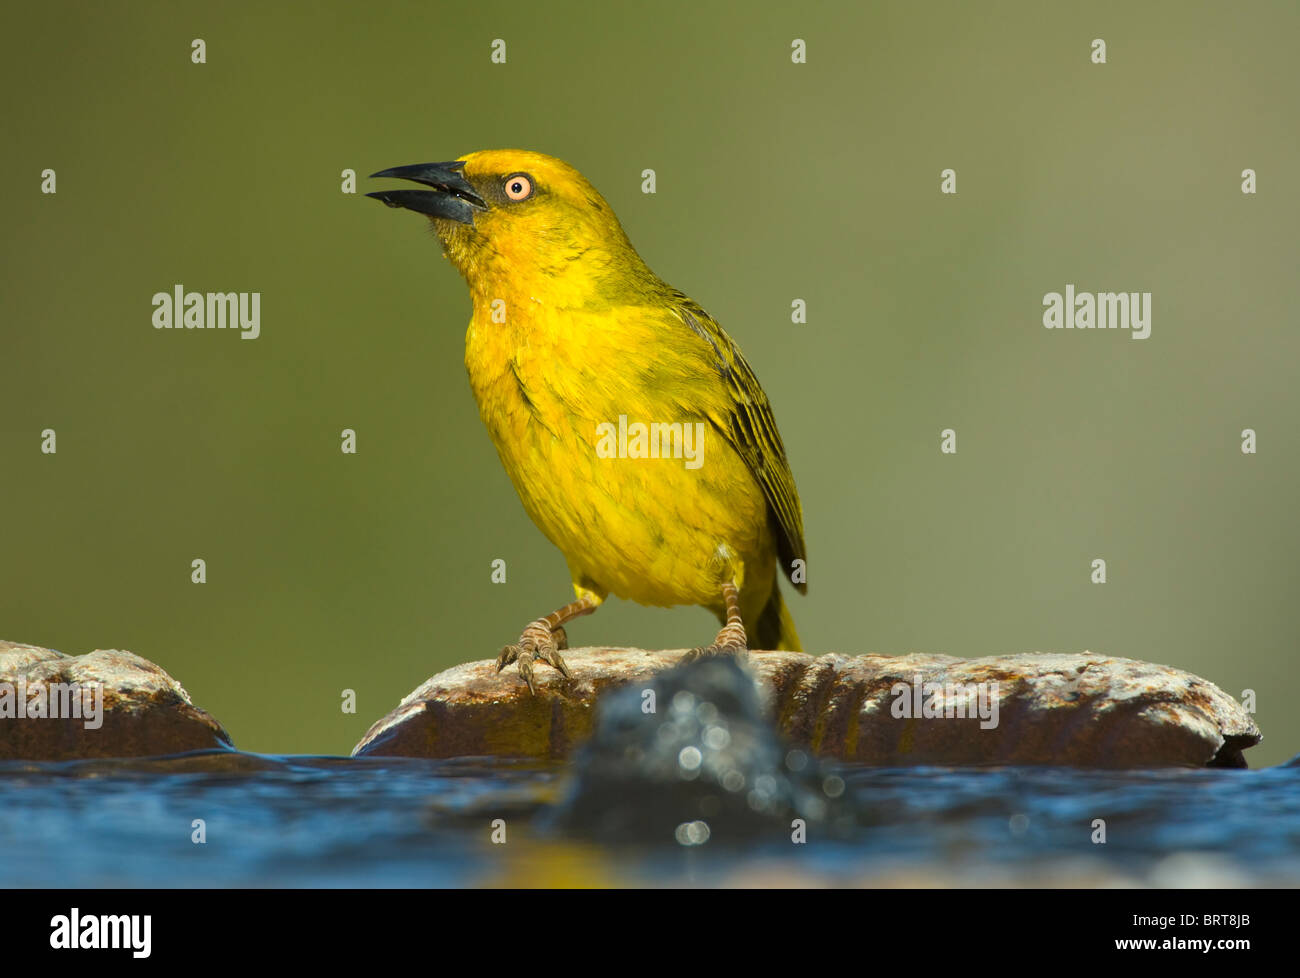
(635, 433)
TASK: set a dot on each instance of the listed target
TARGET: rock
(704, 764)
(142, 712)
(1066, 709)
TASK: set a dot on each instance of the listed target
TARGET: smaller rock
(704, 765)
(107, 703)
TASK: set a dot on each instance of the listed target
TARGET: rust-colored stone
(1065, 709)
(145, 712)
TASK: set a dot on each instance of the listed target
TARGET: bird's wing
(744, 417)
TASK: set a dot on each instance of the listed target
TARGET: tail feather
(775, 628)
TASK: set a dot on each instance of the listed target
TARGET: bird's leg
(544, 638)
(730, 640)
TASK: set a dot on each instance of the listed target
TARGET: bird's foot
(539, 642)
(729, 641)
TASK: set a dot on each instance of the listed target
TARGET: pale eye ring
(519, 186)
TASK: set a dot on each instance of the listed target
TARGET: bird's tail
(775, 627)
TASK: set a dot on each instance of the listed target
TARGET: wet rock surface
(1079, 709)
(691, 758)
(107, 703)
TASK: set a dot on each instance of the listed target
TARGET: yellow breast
(562, 392)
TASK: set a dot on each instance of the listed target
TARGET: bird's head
(519, 216)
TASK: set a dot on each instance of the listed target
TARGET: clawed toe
(537, 643)
(730, 641)
(508, 655)
(738, 652)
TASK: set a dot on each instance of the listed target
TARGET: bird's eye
(519, 186)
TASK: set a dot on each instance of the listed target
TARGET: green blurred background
(775, 181)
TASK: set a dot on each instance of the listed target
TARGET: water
(336, 822)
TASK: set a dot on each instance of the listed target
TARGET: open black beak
(451, 197)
